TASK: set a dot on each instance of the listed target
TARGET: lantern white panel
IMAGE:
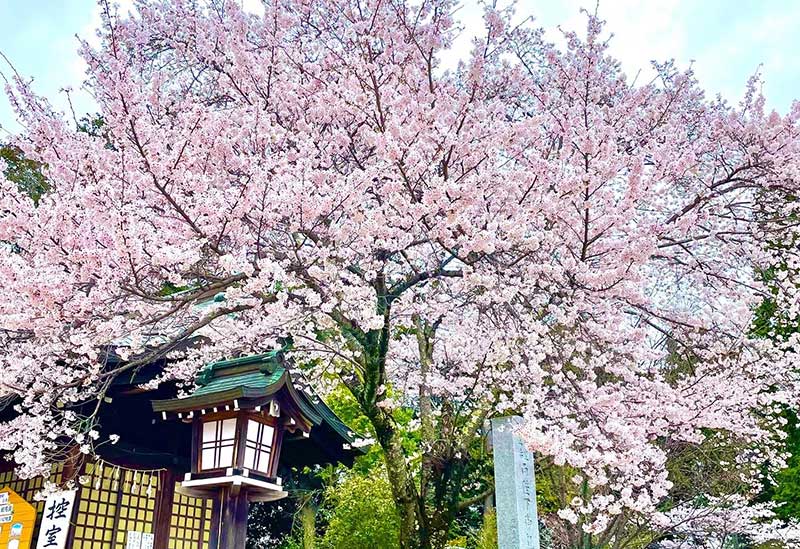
(229, 429)
(249, 458)
(207, 459)
(218, 444)
(263, 462)
(267, 436)
(210, 431)
(225, 456)
(258, 446)
(252, 431)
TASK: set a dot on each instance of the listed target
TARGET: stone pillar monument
(515, 487)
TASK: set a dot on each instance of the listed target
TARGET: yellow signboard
(17, 519)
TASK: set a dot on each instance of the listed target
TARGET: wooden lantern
(240, 413)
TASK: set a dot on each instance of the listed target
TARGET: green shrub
(487, 535)
(361, 514)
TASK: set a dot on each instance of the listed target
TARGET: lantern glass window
(219, 439)
(258, 446)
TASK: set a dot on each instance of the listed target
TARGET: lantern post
(240, 414)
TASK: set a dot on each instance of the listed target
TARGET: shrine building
(186, 467)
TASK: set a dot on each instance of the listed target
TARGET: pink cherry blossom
(566, 234)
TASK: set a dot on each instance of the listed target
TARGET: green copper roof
(227, 380)
(267, 359)
(246, 381)
(247, 371)
(253, 377)
(331, 418)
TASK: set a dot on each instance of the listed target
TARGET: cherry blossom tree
(721, 522)
(526, 231)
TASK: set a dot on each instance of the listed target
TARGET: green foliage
(787, 489)
(705, 468)
(487, 535)
(554, 486)
(26, 173)
(361, 514)
(457, 543)
(353, 507)
(93, 125)
(169, 289)
(466, 525)
(279, 524)
(772, 322)
(345, 406)
(351, 497)
(269, 522)
(545, 536)
(308, 524)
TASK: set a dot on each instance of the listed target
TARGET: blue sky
(727, 41)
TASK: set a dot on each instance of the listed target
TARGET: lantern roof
(251, 381)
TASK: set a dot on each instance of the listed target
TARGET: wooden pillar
(233, 510)
(213, 542)
(163, 514)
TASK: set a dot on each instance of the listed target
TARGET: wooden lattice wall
(113, 501)
(190, 524)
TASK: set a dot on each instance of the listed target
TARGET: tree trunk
(404, 492)
(308, 520)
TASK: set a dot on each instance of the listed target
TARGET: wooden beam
(163, 510)
(216, 511)
(234, 508)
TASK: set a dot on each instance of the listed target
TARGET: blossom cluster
(585, 248)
